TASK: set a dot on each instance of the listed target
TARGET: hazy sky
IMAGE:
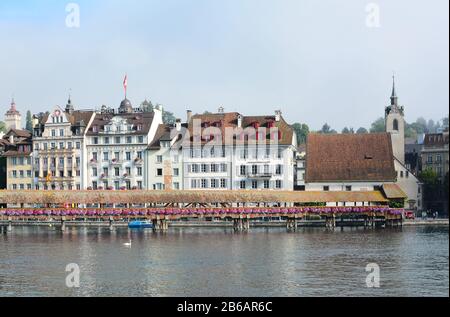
(317, 61)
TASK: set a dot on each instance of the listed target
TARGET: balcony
(115, 162)
(259, 175)
(56, 151)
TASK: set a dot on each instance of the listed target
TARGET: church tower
(13, 118)
(395, 125)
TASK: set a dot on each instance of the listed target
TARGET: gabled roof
(144, 119)
(350, 158)
(223, 121)
(436, 140)
(393, 191)
(19, 133)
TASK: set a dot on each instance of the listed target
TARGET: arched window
(395, 125)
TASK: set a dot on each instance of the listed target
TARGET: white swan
(128, 244)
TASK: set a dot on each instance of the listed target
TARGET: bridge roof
(206, 197)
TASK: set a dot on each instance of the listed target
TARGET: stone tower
(13, 118)
(395, 125)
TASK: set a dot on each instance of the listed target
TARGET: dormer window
(139, 127)
(95, 128)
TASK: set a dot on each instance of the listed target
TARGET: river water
(413, 261)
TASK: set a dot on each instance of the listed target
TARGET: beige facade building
(435, 154)
(19, 160)
(59, 156)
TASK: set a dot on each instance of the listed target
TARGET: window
(159, 159)
(278, 184)
(242, 185)
(94, 156)
(128, 185)
(116, 156)
(69, 145)
(117, 139)
(159, 172)
(129, 140)
(401, 174)
(139, 185)
(438, 158)
(407, 174)
(116, 171)
(214, 183)
(254, 184)
(140, 139)
(139, 155)
(204, 168)
(223, 168)
(213, 168)
(254, 169)
(94, 172)
(348, 188)
(105, 171)
(53, 133)
(223, 183)
(116, 185)
(176, 186)
(243, 170)
(106, 140)
(326, 188)
(430, 159)
(139, 171)
(204, 183)
(128, 171)
(78, 145)
(105, 156)
(176, 172)
(94, 185)
(128, 156)
(95, 140)
(266, 184)
(395, 125)
(279, 169)
(61, 145)
(61, 132)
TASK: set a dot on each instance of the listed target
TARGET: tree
(378, 125)
(362, 131)
(445, 122)
(348, 131)
(431, 126)
(302, 131)
(326, 129)
(2, 127)
(168, 117)
(29, 124)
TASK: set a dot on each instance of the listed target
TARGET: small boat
(140, 224)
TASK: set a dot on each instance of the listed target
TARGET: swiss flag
(125, 82)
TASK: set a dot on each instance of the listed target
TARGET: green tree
(445, 121)
(302, 131)
(378, 125)
(362, 131)
(326, 129)
(3, 127)
(168, 117)
(29, 122)
(348, 131)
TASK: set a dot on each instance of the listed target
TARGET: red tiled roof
(222, 121)
(436, 140)
(349, 157)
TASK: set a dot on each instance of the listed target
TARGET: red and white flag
(125, 83)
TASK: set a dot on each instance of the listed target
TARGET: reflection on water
(218, 262)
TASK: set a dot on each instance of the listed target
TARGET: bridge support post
(63, 224)
(9, 229)
(111, 224)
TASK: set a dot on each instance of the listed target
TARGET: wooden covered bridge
(163, 207)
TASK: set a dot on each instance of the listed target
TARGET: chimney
(240, 121)
(189, 115)
(278, 115)
(178, 125)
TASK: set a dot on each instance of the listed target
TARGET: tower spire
(394, 98)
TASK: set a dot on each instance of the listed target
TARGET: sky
(318, 61)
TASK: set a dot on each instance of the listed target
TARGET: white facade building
(116, 142)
